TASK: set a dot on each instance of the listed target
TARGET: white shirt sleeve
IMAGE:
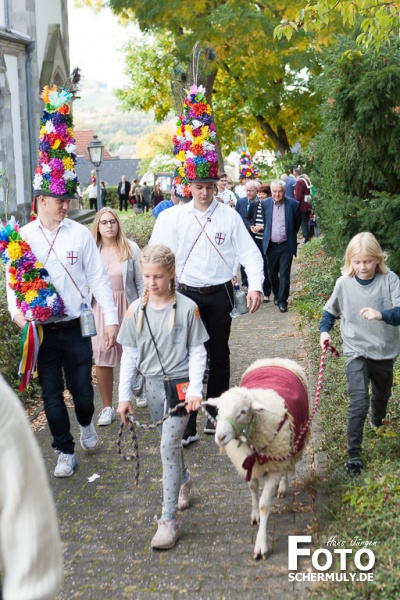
(30, 545)
(197, 366)
(127, 373)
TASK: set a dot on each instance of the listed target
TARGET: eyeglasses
(111, 221)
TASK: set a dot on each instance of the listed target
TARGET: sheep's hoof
(281, 494)
(255, 520)
(259, 556)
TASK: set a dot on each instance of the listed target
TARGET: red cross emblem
(220, 238)
(72, 257)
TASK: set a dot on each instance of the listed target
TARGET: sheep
(264, 417)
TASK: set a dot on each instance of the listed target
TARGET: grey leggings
(171, 432)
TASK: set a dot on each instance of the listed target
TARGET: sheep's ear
(257, 407)
(211, 402)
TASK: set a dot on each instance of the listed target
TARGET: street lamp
(95, 150)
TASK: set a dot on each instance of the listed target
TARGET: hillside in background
(96, 107)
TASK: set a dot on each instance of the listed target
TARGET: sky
(94, 43)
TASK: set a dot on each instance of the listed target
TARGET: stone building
(34, 51)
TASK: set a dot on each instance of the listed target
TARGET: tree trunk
(279, 138)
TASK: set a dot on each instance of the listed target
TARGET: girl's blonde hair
(123, 248)
(163, 256)
(364, 242)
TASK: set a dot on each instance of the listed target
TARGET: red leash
(250, 460)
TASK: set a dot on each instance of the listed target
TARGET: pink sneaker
(183, 499)
(167, 534)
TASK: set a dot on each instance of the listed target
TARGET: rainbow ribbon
(31, 339)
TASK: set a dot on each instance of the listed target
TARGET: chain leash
(132, 424)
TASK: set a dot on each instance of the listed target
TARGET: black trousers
(215, 313)
(305, 226)
(360, 372)
(279, 258)
(123, 201)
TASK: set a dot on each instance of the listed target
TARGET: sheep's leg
(254, 491)
(283, 485)
(271, 481)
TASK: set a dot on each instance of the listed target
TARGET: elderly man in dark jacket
(282, 220)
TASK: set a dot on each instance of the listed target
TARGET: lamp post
(95, 150)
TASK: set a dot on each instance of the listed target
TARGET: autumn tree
(378, 21)
(258, 83)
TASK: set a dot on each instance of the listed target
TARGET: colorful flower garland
(247, 168)
(195, 142)
(56, 170)
(36, 296)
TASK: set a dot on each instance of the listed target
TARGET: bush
(356, 152)
(139, 227)
(112, 199)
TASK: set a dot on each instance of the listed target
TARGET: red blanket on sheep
(287, 385)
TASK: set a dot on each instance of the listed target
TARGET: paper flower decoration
(55, 174)
(36, 296)
(195, 141)
(247, 168)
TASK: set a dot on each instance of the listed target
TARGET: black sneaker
(210, 427)
(353, 467)
(189, 437)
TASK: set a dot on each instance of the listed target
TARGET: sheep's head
(236, 408)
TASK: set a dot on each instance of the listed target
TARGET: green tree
(258, 83)
(378, 20)
(356, 154)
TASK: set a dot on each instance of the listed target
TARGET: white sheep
(263, 417)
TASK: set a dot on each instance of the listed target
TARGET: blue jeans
(64, 352)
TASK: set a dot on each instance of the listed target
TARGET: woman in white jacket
(121, 260)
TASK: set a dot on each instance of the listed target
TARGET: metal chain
(134, 441)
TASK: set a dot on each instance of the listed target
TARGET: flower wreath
(36, 297)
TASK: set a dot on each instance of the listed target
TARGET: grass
(367, 506)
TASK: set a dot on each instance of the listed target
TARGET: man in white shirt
(206, 237)
(223, 194)
(68, 252)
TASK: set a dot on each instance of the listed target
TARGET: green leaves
(259, 83)
(379, 21)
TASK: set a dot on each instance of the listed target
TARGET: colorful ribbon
(31, 339)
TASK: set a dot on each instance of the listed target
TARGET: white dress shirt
(227, 196)
(206, 261)
(76, 250)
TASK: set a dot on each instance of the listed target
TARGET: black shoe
(353, 467)
(275, 302)
(283, 308)
(210, 427)
(266, 299)
(189, 437)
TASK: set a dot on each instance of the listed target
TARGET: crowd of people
(165, 312)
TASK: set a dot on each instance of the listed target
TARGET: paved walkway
(106, 525)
